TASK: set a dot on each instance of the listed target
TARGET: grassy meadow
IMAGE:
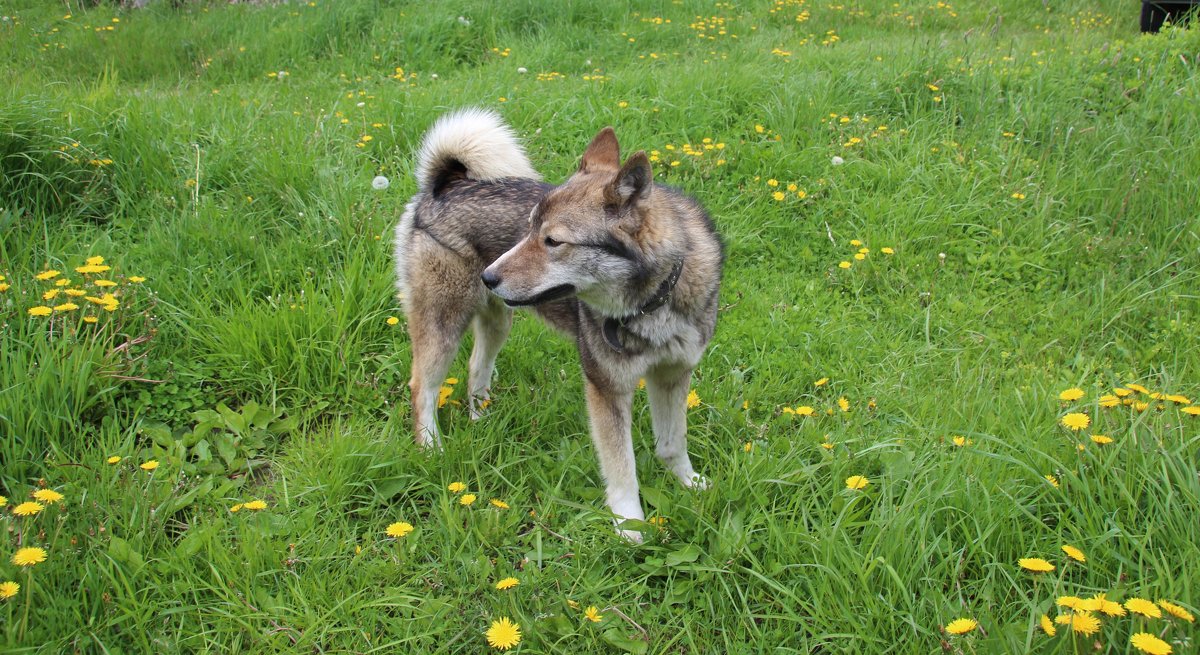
(958, 332)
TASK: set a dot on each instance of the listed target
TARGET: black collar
(612, 326)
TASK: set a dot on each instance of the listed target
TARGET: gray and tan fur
(627, 268)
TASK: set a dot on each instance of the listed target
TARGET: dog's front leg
(609, 412)
(667, 391)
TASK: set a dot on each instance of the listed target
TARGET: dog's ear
(603, 153)
(633, 182)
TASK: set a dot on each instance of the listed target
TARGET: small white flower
(522, 70)
(361, 104)
(837, 161)
(380, 183)
(463, 20)
(433, 76)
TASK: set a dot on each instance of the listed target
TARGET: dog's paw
(632, 536)
(478, 406)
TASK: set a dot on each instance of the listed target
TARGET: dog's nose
(490, 279)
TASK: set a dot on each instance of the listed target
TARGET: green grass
(1036, 178)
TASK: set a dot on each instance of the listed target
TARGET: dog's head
(586, 237)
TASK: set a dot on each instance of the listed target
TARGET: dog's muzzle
(553, 293)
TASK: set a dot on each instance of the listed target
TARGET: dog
(627, 268)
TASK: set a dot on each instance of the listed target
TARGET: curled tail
(470, 143)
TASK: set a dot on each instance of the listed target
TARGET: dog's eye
(552, 243)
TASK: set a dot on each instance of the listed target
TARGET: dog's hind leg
(610, 415)
(433, 351)
(442, 298)
(491, 327)
(667, 391)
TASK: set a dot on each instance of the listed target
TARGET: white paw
(479, 405)
(632, 536)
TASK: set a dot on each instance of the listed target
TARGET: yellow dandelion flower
(42, 310)
(778, 196)
(1070, 602)
(392, 320)
(236, 508)
(255, 505)
(1080, 622)
(150, 465)
(592, 614)
(507, 583)
(1138, 388)
(857, 482)
(48, 496)
(887, 251)
(1108, 607)
(9, 589)
(1121, 392)
(51, 294)
(29, 556)
(456, 487)
(3, 501)
(748, 446)
(1035, 564)
(1143, 607)
(1071, 395)
(961, 626)
(1176, 611)
(1101, 439)
(1193, 410)
(1109, 400)
(66, 307)
(844, 265)
(1052, 480)
(466, 500)
(136, 279)
(1178, 399)
(29, 508)
(115, 459)
(1074, 553)
(1148, 643)
(1076, 421)
(822, 382)
(399, 529)
(503, 634)
(843, 404)
(94, 260)
(959, 441)
(444, 395)
(805, 410)
(1048, 626)
(47, 275)
(693, 399)
(496, 502)
(826, 445)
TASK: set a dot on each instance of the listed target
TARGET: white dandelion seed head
(522, 70)
(433, 76)
(463, 20)
(837, 161)
(380, 183)
(361, 104)
(281, 74)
